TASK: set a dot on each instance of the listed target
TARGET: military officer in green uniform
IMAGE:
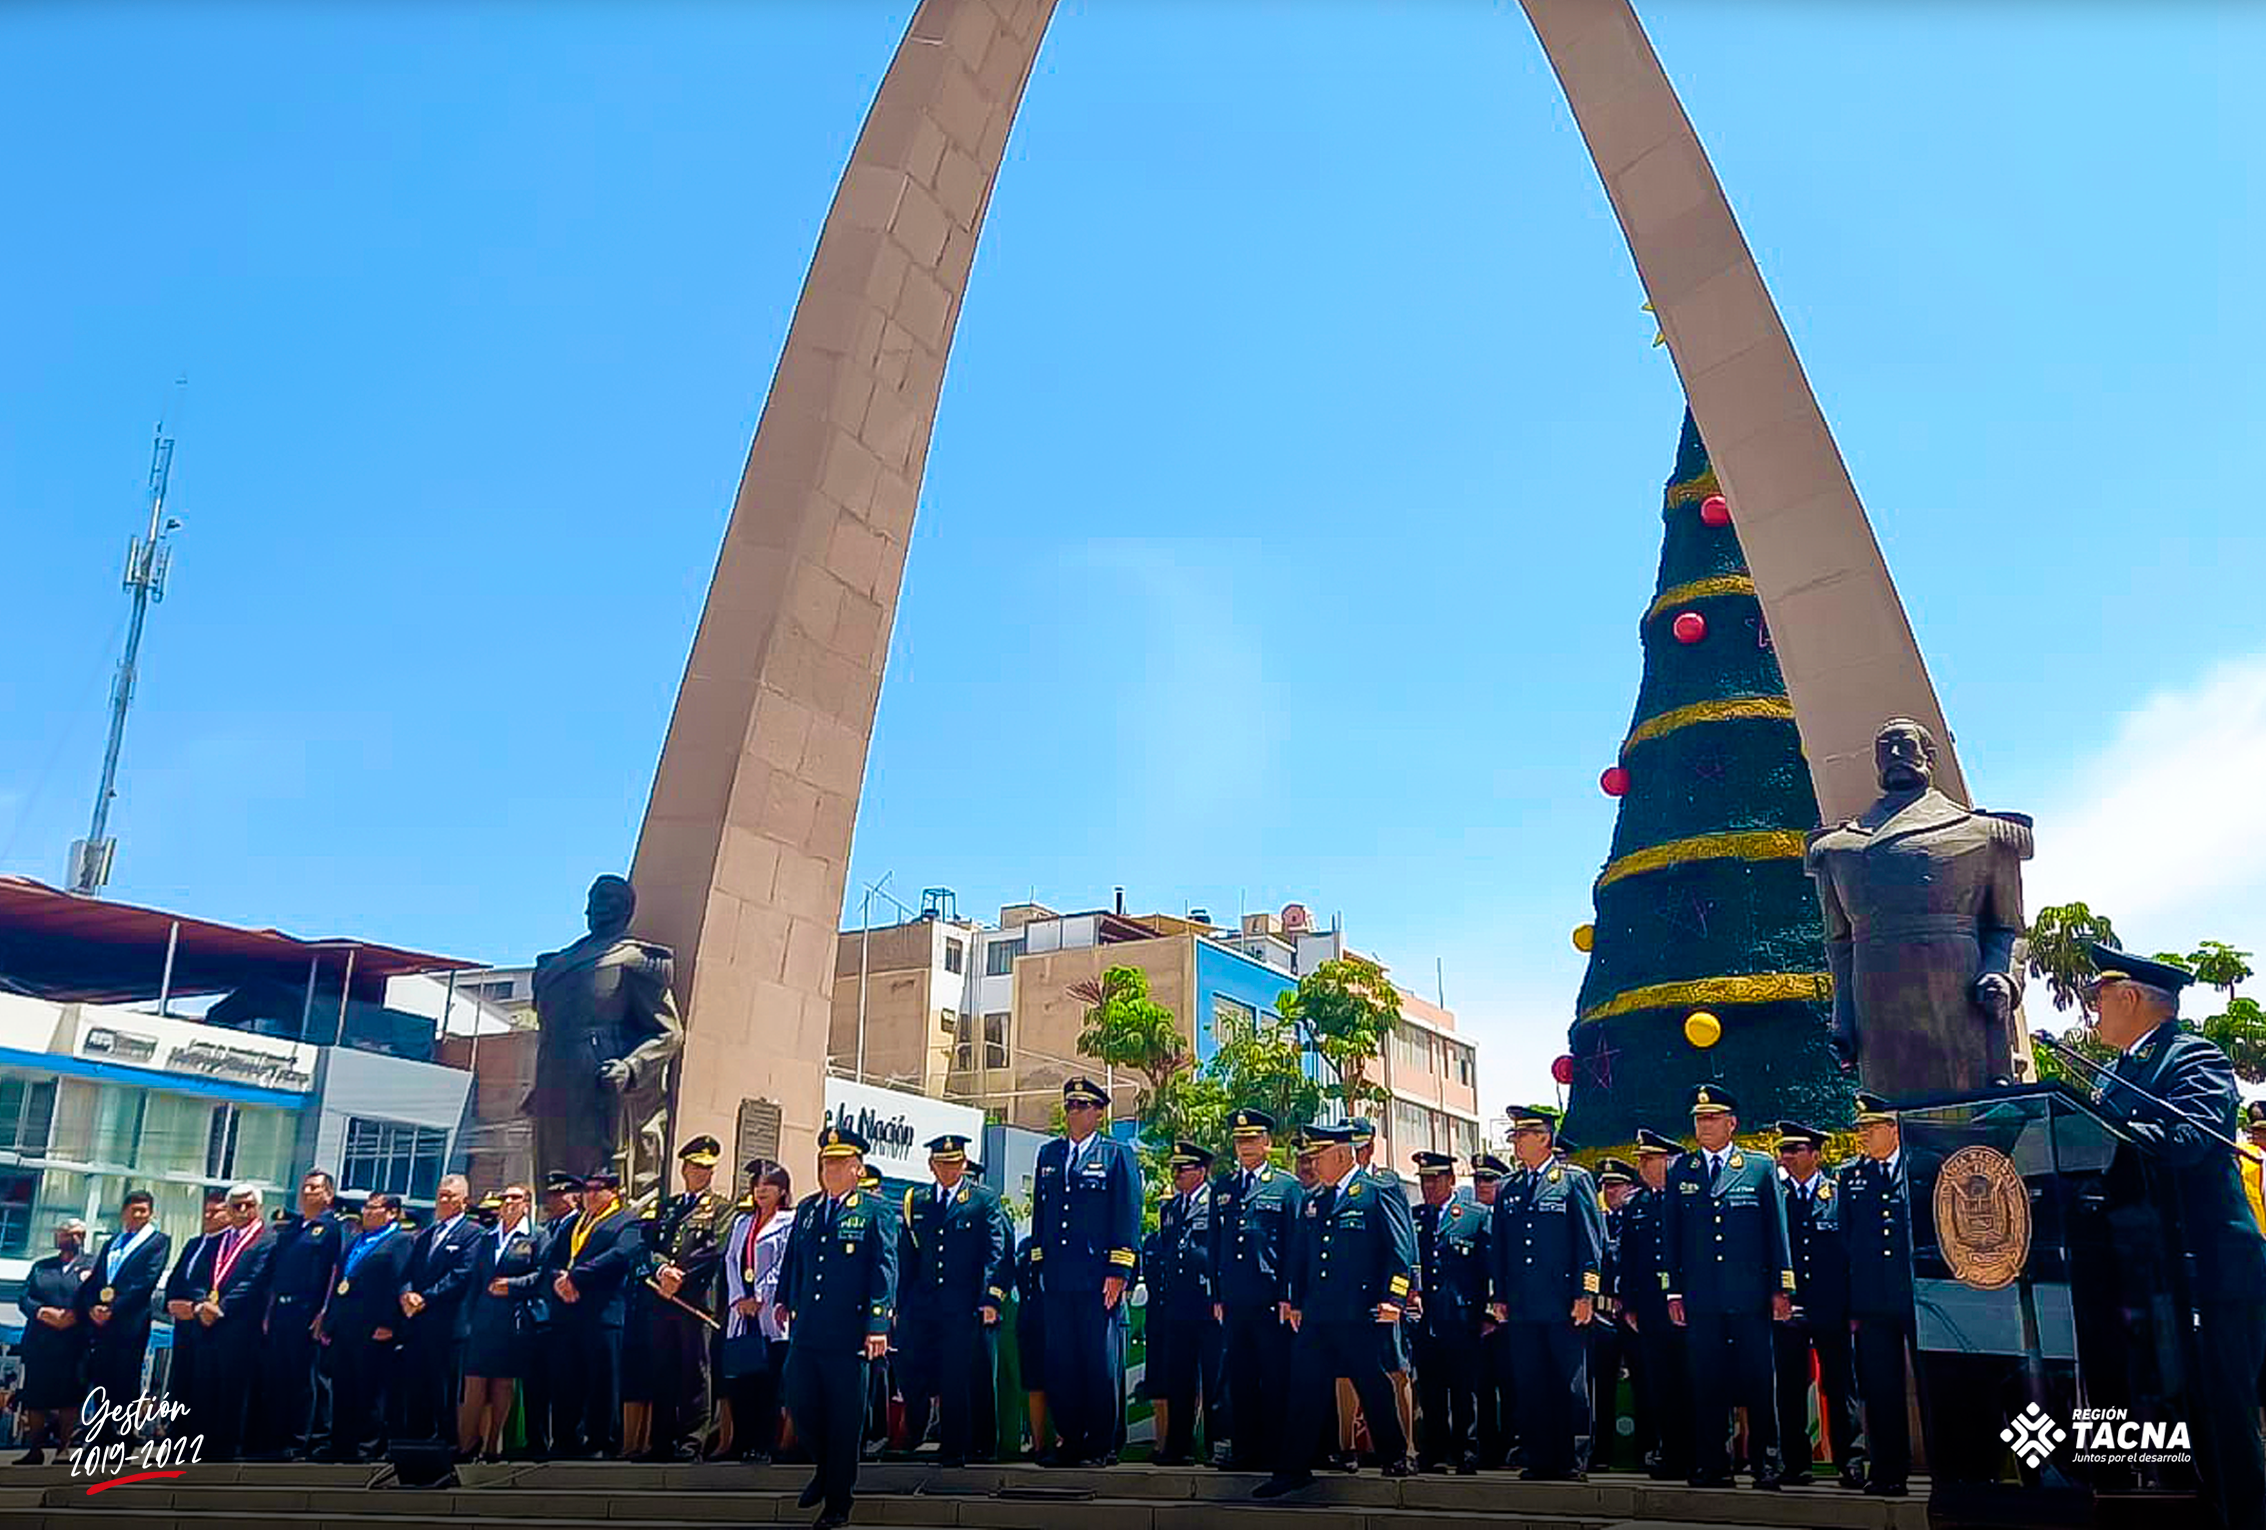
(1353, 1270)
(1729, 1278)
(837, 1297)
(1254, 1215)
(685, 1249)
(1546, 1246)
(955, 1263)
(1450, 1304)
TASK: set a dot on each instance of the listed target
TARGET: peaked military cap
(1567, 1145)
(1319, 1135)
(1793, 1134)
(1251, 1123)
(975, 1168)
(1616, 1171)
(1872, 1109)
(1360, 1131)
(1713, 1100)
(949, 1148)
(1435, 1163)
(1083, 1091)
(870, 1179)
(703, 1151)
(1650, 1141)
(1488, 1166)
(560, 1182)
(489, 1202)
(1534, 1118)
(605, 1174)
(2254, 1114)
(1187, 1155)
(756, 1168)
(841, 1142)
(1307, 1146)
(2113, 966)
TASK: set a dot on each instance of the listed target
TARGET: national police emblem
(1982, 1217)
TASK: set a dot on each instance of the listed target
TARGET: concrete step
(558, 1496)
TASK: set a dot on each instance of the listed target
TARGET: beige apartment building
(988, 1015)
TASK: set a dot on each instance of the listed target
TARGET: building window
(954, 957)
(1232, 1020)
(999, 956)
(1412, 1049)
(1463, 1066)
(963, 1028)
(995, 1039)
(393, 1157)
(1463, 1138)
(27, 1111)
(17, 1192)
(1412, 1129)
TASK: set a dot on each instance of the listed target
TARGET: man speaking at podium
(2189, 1126)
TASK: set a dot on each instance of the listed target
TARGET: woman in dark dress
(495, 1355)
(1030, 1338)
(54, 1342)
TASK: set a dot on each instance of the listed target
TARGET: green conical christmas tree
(1706, 960)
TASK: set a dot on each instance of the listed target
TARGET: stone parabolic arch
(745, 847)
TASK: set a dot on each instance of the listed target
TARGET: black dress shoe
(1276, 1487)
(1885, 1489)
(951, 1463)
(829, 1520)
(1767, 1482)
(813, 1495)
(1467, 1467)
(1400, 1468)
(32, 1457)
(1795, 1476)
(1109, 1458)
(1708, 1479)
(1851, 1479)
(1169, 1460)
(1346, 1461)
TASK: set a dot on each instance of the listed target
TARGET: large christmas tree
(1706, 961)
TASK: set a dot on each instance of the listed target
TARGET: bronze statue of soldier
(608, 1027)
(1923, 930)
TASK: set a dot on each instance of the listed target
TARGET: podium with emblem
(2047, 1291)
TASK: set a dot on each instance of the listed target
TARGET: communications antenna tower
(147, 558)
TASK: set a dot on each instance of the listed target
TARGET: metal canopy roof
(59, 946)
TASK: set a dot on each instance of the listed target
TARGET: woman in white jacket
(754, 1348)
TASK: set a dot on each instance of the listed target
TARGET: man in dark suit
(1876, 1222)
(1354, 1267)
(446, 1265)
(1547, 1245)
(835, 1331)
(1820, 1322)
(1086, 1211)
(1729, 1279)
(360, 1326)
(115, 1300)
(185, 1286)
(588, 1265)
(229, 1316)
(300, 1276)
(545, 1382)
(2198, 1188)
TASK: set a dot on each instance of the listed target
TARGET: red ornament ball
(1690, 627)
(1715, 510)
(1563, 1070)
(1615, 781)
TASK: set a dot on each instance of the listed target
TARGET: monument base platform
(628, 1496)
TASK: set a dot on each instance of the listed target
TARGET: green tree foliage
(2057, 949)
(1344, 1010)
(2058, 958)
(1125, 1028)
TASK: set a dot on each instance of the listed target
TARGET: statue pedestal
(2043, 1276)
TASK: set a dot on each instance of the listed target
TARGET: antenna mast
(147, 558)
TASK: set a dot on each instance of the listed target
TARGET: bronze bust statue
(1923, 930)
(608, 1028)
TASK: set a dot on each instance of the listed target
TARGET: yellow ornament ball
(1702, 1029)
(1585, 936)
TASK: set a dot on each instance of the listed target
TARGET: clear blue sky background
(1295, 492)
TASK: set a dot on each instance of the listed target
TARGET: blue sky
(1294, 495)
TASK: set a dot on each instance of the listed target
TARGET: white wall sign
(898, 1125)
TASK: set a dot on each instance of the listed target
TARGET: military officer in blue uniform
(1351, 1274)
(1253, 1223)
(2198, 1188)
(1876, 1229)
(1493, 1421)
(1184, 1336)
(955, 1263)
(1820, 1321)
(1729, 1278)
(837, 1297)
(1086, 1213)
(1394, 1344)
(1664, 1434)
(300, 1279)
(1450, 1303)
(1546, 1245)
